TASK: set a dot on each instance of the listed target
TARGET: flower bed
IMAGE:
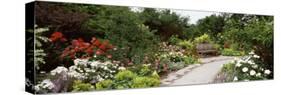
(245, 69)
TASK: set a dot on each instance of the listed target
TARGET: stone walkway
(198, 73)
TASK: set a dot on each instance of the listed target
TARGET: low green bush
(142, 82)
(231, 52)
(229, 70)
(188, 45)
(128, 79)
(203, 39)
(125, 75)
(80, 86)
(103, 85)
(190, 60)
(142, 69)
(176, 66)
(174, 39)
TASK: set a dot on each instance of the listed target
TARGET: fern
(39, 39)
(38, 52)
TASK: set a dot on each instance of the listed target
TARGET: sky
(194, 16)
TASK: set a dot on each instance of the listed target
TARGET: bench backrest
(205, 46)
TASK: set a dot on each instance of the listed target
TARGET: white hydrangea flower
(258, 74)
(87, 70)
(47, 83)
(251, 62)
(240, 61)
(58, 70)
(267, 72)
(72, 68)
(107, 62)
(245, 69)
(255, 66)
(247, 60)
(121, 68)
(252, 72)
(94, 64)
(37, 88)
(80, 61)
(238, 64)
(105, 68)
(235, 79)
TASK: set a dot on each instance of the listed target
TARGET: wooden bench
(206, 49)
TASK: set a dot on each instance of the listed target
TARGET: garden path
(202, 74)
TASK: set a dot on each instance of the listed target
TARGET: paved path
(204, 73)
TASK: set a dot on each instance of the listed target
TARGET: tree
(252, 32)
(165, 22)
(212, 25)
(124, 29)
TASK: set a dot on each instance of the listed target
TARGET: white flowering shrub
(88, 72)
(45, 86)
(249, 68)
(92, 71)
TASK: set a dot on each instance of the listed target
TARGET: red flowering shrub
(81, 49)
(57, 36)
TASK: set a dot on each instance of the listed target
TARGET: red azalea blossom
(110, 46)
(102, 47)
(63, 39)
(93, 39)
(56, 36)
(96, 43)
(87, 49)
(109, 56)
(99, 52)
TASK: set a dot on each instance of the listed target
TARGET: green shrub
(142, 82)
(176, 65)
(188, 45)
(142, 69)
(231, 52)
(80, 86)
(203, 39)
(229, 68)
(133, 40)
(174, 39)
(103, 85)
(255, 32)
(155, 75)
(145, 70)
(125, 75)
(129, 79)
(190, 60)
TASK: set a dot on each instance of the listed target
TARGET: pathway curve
(198, 74)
